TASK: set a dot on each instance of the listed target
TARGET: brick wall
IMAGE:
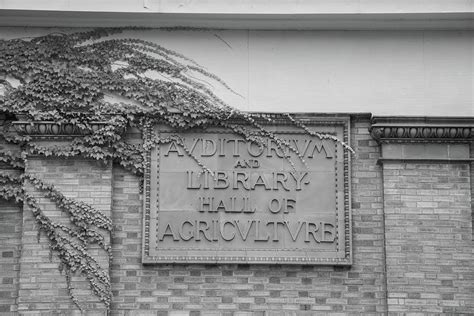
(412, 250)
(429, 237)
(216, 289)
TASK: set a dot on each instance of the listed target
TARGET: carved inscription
(251, 203)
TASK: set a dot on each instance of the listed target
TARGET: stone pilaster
(427, 213)
(43, 287)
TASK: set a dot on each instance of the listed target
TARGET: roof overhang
(230, 14)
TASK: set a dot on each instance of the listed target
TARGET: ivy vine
(87, 77)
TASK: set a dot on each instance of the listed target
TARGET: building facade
(400, 77)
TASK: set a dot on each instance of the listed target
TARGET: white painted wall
(382, 72)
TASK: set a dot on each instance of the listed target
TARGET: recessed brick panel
(10, 248)
(42, 287)
(429, 238)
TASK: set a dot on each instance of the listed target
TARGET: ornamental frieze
(409, 129)
(49, 129)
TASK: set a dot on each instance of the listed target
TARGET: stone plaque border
(277, 119)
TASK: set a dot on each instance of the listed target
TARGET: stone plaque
(252, 204)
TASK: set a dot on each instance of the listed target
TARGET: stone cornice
(422, 129)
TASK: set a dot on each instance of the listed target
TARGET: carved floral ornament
(402, 130)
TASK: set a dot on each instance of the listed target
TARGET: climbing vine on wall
(80, 79)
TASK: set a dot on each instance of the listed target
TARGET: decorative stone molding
(414, 139)
(424, 130)
(48, 129)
